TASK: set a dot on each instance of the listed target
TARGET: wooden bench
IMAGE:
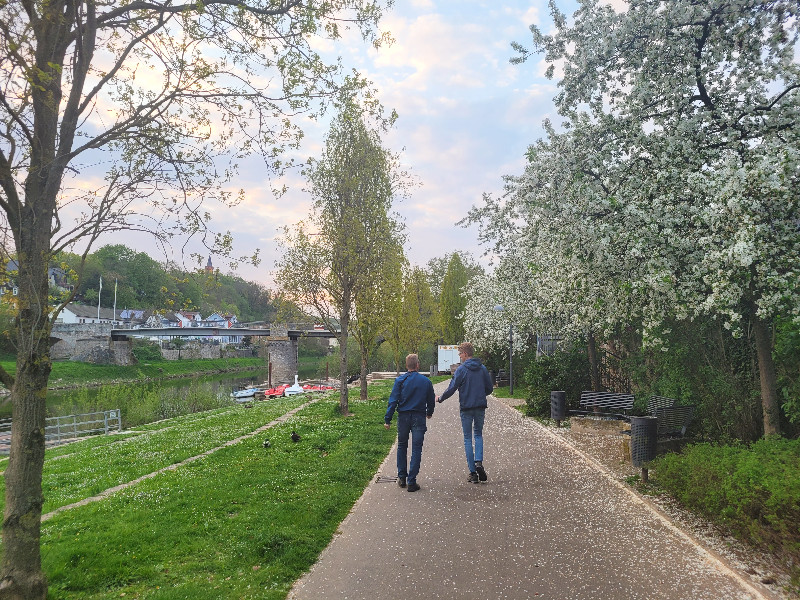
(605, 404)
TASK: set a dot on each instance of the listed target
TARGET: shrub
(753, 491)
(146, 351)
(787, 364)
(565, 370)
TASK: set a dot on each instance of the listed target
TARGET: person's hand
(430, 416)
(386, 426)
(439, 399)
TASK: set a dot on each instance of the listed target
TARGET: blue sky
(466, 119)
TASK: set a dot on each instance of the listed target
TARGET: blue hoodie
(473, 382)
(411, 391)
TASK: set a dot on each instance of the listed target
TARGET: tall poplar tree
(374, 303)
(420, 323)
(453, 301)
(329, 261)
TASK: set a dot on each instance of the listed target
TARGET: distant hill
(143, 283)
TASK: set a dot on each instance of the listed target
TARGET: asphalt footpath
(548, 523)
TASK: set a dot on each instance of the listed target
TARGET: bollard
(558, 407)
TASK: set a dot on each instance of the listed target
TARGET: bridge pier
(282, 355)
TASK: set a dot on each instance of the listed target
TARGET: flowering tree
(162, 98)
(678, 195)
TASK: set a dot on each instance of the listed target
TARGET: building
(79, 313)
(56, 276)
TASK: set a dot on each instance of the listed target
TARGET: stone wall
(89, 342)
(78, 338)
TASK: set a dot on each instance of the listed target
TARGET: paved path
(547, 524)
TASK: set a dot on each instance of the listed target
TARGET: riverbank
(72, 374)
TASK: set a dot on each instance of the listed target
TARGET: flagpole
(114, 317)
(99, 293)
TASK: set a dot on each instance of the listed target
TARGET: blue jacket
(473, 382)
(411, 391)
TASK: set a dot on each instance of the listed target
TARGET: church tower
(209, 267)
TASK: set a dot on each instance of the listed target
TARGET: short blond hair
(467, 348)
(412, 362)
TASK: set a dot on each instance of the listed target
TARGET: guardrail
(60, 430)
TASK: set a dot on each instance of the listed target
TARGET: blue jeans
(472, 423)
(413, 422)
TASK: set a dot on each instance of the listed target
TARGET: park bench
(656, 402)
(673, 420)
(605, 404)
(501, 379)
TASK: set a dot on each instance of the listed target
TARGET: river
(213, 389)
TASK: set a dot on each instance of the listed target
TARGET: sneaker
(473, 478)
(401, 481)
(412, 487)
(481, 471)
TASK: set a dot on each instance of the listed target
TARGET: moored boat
(244, 394)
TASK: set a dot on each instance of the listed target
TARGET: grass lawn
(520, 392)
(244, 522)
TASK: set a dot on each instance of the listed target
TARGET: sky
(466, 118)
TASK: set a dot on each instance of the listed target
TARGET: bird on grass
(295, 437)
(267, 444)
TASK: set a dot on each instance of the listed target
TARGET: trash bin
(558, 406)
(644, 436)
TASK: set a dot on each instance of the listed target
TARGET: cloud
(467, 117)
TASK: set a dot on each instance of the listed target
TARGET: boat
(244, 394)
(294, 389)
(318, 388)
(275, 392)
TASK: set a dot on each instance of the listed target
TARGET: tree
(373, 302)
(437, 269)
(420, 324)
(167, 97)
(453, 300)
(684, 114)
(394, 324)
(351, 235)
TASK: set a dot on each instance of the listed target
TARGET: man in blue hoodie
(413, 398)
(473, 382)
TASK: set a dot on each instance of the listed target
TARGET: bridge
(102, 343)
(123, 334)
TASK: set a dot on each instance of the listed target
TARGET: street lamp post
(499, 308)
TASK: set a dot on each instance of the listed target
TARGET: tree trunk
(594, 366)
(766, 369)
(344, 323)
(364, 360)
(21, 573)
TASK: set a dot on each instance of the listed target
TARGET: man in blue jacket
(473, 382)
(413, 398)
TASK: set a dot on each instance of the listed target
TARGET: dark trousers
(410, 422)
